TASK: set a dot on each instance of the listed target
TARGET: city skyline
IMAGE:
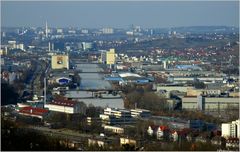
(157, 14)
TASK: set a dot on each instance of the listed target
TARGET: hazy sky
(119, 14)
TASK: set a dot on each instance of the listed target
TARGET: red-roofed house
(66, 106)
(175, 135)
(152, 130)
(33, 112)
(180, 133)
(232, 143)
(162, 132)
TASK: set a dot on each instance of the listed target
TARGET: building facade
(209, 103)
(66, 106)
(33, 112)
(60, 62)
(231, 129)
(107, 31)
(136, 113)
(114, 129)
(124, 141)
(116, 116)
(204, 92)
(108, 57)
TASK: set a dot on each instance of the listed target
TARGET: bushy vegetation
(145, 100)
(143, 97)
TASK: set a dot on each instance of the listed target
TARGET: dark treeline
(8, 94)
(15, 138)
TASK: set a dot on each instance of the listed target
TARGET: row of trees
(77, 122)
(145, 100)
(144, 97)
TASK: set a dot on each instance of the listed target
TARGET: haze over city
(120, 76)
(120, 14)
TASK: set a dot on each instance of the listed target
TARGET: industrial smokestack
(46, 32)
(45, 90)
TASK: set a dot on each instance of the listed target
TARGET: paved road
(37, 82)
(67, 134)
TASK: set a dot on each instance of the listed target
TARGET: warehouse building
(33, 112)
(114, 129)
(209, 103)
(204, 92)
(66, 106)
(185, 79)
(143, 113)
(116, 116)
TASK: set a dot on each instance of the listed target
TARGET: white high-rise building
(108, 57)
(165, 64)
(20, 46)
(59, 31)
(49, 46)
(137, 29)
(87, 45)
(231, 129)
(3, 34)
(84, 31)
(12, 44)
(107, 31)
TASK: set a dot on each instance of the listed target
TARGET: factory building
(136, 113)
(123, 116)
(66, 106)
(184, 79)
(204, 92)
(116, 116)
(209, 103)
(33, 112)
(170, 88)
(114, 129)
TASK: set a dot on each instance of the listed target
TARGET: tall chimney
(46, 32)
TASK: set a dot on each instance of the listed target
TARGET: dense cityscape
(111, 89)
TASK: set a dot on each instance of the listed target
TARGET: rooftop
(63, 102)
(33, 111)
(142, 110)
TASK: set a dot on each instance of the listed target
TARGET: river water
(91, 78)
